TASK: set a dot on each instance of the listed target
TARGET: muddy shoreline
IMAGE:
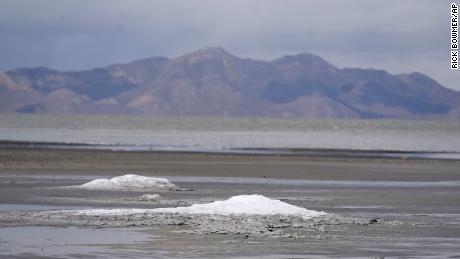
(400, 208)
(87, 162)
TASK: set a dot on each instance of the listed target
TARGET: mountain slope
(211, 81)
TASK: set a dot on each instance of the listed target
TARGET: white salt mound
(244, 204)
(129, 182)
(237, 205)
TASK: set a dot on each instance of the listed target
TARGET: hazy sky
(399, 36)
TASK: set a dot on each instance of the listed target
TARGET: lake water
(236, 134)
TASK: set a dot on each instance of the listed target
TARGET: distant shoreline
(294, 152)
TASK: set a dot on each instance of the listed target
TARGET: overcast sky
(398, 36)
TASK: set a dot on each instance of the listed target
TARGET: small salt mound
(150, 197)
(244, 205)
(129, 182)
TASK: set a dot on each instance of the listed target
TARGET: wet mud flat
(370, 213)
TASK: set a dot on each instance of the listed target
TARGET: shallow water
(429, 225)
(300, 182)
(223, 134)
(71, 242)
(31, 207)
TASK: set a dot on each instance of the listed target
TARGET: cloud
(82, 34)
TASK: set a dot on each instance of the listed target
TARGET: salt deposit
(246, 215)
(129, 182)
(244, 204)
(237, 205)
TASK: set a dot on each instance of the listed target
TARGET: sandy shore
(416, 203)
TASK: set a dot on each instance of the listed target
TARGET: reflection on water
(29, 207)
(301, 182)
(70, 241)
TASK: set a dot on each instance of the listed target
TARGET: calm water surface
(214, 134)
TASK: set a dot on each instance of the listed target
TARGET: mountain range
(211, 81)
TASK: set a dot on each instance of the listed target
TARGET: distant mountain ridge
(211, 81)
